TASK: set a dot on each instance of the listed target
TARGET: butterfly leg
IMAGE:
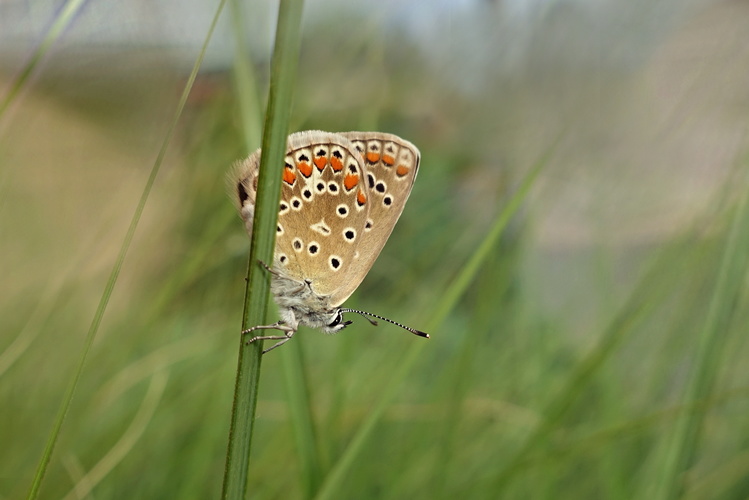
(268, 268)
(279, 275)
(279, 325)
(279, 343)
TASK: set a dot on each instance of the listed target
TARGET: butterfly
(341, 195)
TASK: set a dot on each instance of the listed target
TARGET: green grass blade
(112, 280)
(291, 357)
(680, 452)
(449, 300)
(62, 21)
(283, 76)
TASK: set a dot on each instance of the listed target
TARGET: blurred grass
(61, 21)
(560, 373)
(709, 352)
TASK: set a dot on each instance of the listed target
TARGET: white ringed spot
(349, 234)
(342, 210)
(335, 262)
(313, 248)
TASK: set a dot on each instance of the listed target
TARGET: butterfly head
(335, 323)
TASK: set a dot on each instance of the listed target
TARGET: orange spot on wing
(305, 168)
(320, 162)
(360, 198)
(388, 160)
(336, 163)
(350, 181)
(373, 157)
(402, 170)
(289, 176)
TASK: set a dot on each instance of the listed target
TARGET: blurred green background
(561, 373)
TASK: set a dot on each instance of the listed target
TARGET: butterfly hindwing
(327, 211)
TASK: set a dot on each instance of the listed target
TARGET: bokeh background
(562, 370)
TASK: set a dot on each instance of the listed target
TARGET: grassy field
(598, 351)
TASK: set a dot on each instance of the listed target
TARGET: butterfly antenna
(367, 316)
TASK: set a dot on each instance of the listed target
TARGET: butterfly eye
(338, 323)
(337, 320)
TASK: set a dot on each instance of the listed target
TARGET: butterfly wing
(323, 211)
(390, 165)
(241, 182)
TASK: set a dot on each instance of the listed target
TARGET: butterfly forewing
(391, 165)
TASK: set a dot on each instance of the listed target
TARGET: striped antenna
(367, 315)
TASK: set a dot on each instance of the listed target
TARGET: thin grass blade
(245, 82)
(283, 73)
(61, 22)
(112, 280)
(681, 450)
